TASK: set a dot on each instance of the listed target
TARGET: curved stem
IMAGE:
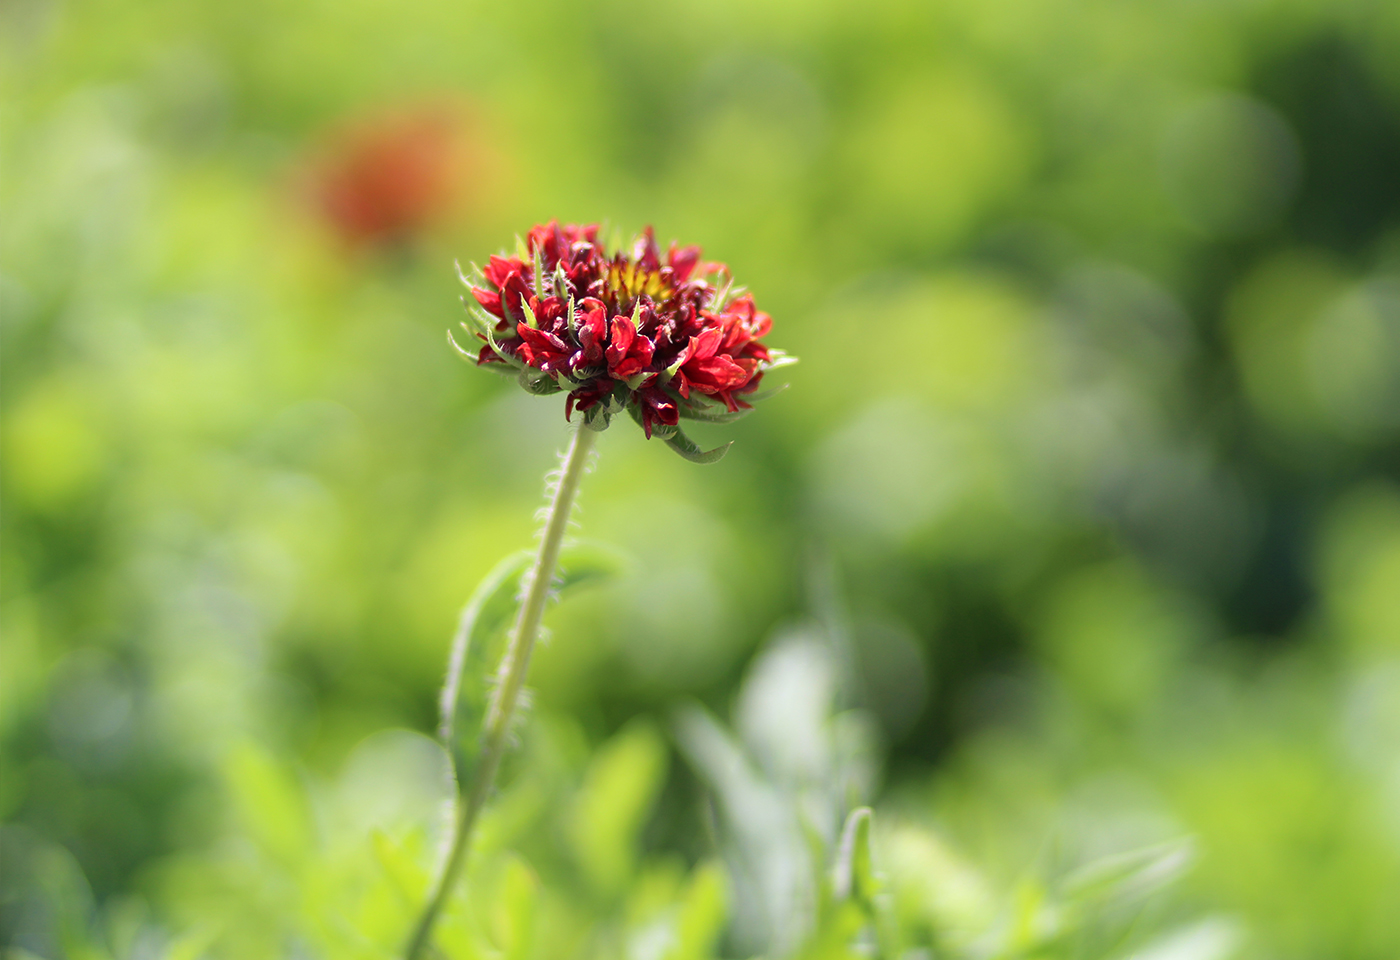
(514, 665)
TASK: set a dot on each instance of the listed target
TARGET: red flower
(663, 338)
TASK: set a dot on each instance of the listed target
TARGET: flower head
(662, 337)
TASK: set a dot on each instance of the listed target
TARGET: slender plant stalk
(514, 666)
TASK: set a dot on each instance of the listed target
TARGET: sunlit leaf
(1132, 875)
(702, 915)
(618, 791)
(271, 802)
(513, 911)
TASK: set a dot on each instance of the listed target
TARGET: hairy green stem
(514, 665)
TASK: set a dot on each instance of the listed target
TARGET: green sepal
(718, 414)
(481, 638)
(531, 320)
(536, 383)
(677, 440)
(688, 449)
(464, 354)
(477, 317)
(511, 359)
(763, 394)
(722, 296)
(713, 414)
(508, 369)
(473, 323)
(539, 276)
(598, 417)
(477, 314)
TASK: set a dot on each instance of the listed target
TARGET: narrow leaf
(1131, 875)
(853, 875)
(466, 689)
(480, 641)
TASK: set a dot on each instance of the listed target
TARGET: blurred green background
(1088, 479)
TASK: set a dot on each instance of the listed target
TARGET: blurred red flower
(387, 177)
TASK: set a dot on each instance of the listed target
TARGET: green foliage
(1095, 426)
(618, 790)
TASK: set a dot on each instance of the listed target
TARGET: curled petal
(489, 300)
(592, 330)
(704, 346)
(499, 268)
(622, 335)
(683, 261)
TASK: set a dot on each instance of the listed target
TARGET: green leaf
(409, 879)
(512, 917)
(619, 790)
(853, 876)
(476, 650)
(584, 562)
(191, 946)
(1132, 875)
(479, 642)
(271, 802)
(702, 914)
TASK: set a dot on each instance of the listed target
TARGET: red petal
(541, 339)
(645, 251)
(591, 331)
(683, 261)
(499, 268)
(491, 301)
(704, 346)
(622, 334)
